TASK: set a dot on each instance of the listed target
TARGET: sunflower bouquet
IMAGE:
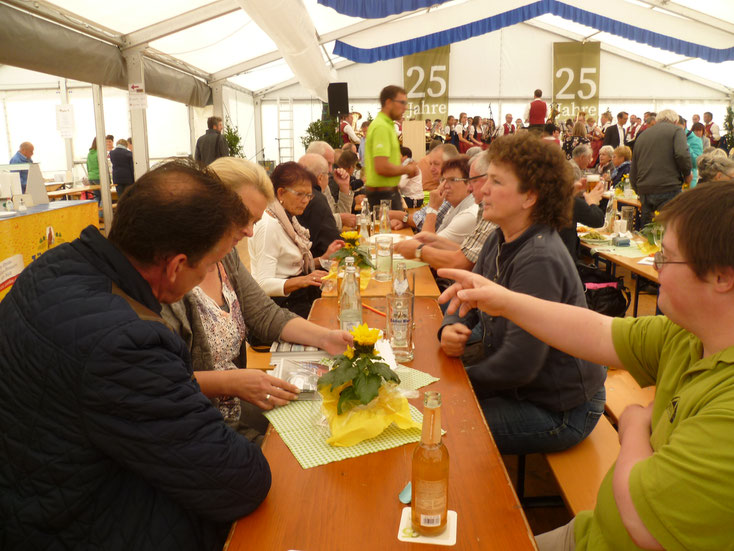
(360, 394)
(351, 248)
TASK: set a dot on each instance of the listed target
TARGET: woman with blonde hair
(217, 316)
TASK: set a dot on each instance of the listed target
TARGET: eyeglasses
(476, 177)
(443, 180)
(401, 101)
(660, 259)
(300, 194)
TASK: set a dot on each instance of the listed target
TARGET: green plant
(326, 130)
(234, 140)
(360, 366)
(729, 127)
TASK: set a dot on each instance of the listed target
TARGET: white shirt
(459, 220)
(349, 131)
(411, 187)
(274, 257)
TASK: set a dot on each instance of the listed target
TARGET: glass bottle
(385, 218)
(400, 279)
(350, 302)
(430, 477)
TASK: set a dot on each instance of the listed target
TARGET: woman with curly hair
(534, 397)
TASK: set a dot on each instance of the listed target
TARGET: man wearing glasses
(383, 166)
(671, 485)
(441, 252)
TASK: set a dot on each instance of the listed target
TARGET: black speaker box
(338, 99)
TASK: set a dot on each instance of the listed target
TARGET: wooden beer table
(633, 265)
(425, 283)
(353, 504)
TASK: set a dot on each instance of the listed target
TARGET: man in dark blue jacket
(106, 441)
(123, 169)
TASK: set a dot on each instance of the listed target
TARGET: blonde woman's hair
(238, 173)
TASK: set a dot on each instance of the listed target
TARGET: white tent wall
(29, 102)
(240, 108)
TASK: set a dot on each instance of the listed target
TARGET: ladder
(286, 145)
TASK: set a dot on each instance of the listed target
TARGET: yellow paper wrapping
(364, 422)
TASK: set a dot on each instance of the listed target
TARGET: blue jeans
(654, 201)
(522, 427)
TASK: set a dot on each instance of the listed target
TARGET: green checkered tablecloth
(304, 431)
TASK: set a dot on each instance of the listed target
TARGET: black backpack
(605, 294)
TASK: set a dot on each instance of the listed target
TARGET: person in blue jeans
(535, 398)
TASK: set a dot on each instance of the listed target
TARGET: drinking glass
(383, 260)
(400, 325)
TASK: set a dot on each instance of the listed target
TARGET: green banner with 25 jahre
(426, 79)
(576, 78)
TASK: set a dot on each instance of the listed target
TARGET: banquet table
(353, 504)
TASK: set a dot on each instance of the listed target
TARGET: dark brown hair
(175, 208)
(211, 122)
(704, 225)
(347, 160)
(291, 173)
(460, 163)
(541, 167)
(390, 92)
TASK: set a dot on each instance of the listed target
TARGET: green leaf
(366, 387)
(343, 373)
(347, 400)
(384, 371)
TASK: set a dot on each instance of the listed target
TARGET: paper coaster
(448, 537)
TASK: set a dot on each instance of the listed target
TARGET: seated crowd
(132, 422)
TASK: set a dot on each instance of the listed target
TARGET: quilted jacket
(106, 441)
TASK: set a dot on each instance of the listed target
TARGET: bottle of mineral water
(350, 303)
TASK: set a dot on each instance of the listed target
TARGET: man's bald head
(316, 165)
(26, 149)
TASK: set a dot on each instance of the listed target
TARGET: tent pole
(218, 99)
(138, 116)
(192, 130)
(69, 146)
(104, 175)
(257, 110)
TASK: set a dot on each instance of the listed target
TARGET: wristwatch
(418, 252)
(405, 218)
(431, 210)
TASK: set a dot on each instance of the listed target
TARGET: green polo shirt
(382, 141)
(684, 492)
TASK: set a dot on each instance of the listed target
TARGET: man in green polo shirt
(671, 487)
(382, 150)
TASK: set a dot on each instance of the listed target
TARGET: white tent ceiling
(219, 41)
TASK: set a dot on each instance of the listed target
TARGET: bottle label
(430, 500)
(430, 520)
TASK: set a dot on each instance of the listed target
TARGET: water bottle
(350, 304)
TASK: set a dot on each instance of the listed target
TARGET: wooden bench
(622, 391)
(580, 470)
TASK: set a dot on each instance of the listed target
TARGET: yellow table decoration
(360, 393)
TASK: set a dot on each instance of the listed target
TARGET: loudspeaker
(338, 98)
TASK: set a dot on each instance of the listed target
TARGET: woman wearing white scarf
(280, 254)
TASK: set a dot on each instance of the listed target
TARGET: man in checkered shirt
(439, 252)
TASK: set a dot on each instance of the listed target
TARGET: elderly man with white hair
(319, 167)
(661, 163)
(338, 178)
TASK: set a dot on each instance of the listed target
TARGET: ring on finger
(267, 397)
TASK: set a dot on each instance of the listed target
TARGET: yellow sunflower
(351, 238)
(349, 352)
(365, 336)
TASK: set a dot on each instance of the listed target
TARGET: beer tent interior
(266, 64)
